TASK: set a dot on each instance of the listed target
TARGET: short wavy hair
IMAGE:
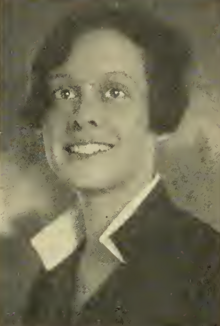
(167, 48)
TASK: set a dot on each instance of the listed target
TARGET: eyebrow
(110, 73)
(118, 72)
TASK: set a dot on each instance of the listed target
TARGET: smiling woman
(108, 82)
(95, 46)
(110, 53)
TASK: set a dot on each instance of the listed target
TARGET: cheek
(49, 144)
(55, 129)
(131, 121)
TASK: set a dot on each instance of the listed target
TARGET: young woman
(107, 84)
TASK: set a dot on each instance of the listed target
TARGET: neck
(101, 207)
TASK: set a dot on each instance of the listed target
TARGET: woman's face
(100, 95)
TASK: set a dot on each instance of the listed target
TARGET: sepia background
(189, 162)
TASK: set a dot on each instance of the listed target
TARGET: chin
(89, 181)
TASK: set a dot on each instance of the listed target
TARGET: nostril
(76, 126)
(92, 122)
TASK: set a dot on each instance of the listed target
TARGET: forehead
(103, 52)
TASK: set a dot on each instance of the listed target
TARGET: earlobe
(163, 138)
(162, 143)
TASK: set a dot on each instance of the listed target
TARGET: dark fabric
(170, 278)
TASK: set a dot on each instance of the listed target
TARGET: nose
(90, 112)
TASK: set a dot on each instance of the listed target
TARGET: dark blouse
(171, 276)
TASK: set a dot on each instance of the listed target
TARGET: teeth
(90, 148)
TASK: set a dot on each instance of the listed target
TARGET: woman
(107, 84)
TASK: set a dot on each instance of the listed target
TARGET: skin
(101, 60)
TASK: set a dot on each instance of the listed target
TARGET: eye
(65, 94)
(114, 93)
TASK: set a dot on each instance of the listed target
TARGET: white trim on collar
(59, 240)
(125, 214)
(56, 241)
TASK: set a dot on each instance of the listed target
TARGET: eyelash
(65, 89)
(112, 85)
(103, 92)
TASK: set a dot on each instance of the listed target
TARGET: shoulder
(193, 232)
(200, 242)
(198, 246)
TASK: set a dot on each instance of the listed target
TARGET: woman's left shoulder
(200, 238)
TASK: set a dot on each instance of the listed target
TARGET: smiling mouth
(87, 149)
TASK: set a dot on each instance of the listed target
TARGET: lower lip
(84, 155)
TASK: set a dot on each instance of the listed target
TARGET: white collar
(59, 240)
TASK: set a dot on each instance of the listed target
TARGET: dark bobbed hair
(167, 48)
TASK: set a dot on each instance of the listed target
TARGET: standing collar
(60, 239)
(124, 216)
